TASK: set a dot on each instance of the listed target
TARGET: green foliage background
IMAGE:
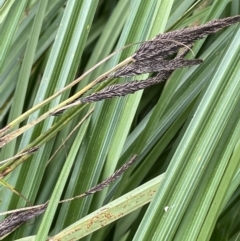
(185, 132)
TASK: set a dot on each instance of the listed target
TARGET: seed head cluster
(154, 56)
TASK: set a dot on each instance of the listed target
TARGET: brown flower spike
(151, 57)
